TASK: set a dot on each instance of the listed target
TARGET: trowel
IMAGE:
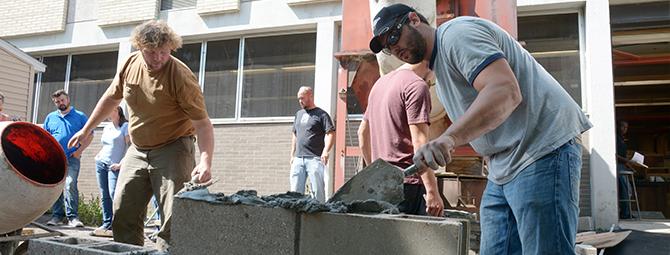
(379, 181)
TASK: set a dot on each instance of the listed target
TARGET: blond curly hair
(155, 34)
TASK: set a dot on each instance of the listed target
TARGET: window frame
(581, 42)
(66, 83)
(238, 119)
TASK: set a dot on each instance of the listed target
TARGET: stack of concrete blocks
(83, 246)
(200, 227)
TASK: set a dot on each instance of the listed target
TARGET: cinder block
(200, 227)
(329, 233)
(83, 246)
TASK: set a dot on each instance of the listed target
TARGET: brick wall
(21, 17)
(246, 156)
(207, 7)
(119, 12)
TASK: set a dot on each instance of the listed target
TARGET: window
(89, 77)
(176, 4)
(274, 69)
(190, 55)
(221, 78)
(52, 79)
(554, 42)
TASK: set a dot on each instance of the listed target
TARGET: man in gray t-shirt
(313, 136)
(510, 110)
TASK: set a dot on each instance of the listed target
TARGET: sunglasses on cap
(394, 35)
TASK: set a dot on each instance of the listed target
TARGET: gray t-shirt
(546, 118)
(310, 128)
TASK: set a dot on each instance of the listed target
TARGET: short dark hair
(58, 93)
(2, 97)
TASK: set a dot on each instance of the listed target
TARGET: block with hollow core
(83, 246)
(199, 227)
(329, 233)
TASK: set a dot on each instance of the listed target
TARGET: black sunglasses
(394, 35)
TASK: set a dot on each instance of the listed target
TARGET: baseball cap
(384, 20)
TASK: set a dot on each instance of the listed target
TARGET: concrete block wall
(82, 246)
(330, 233)
(199, 227)
(246, 156)
(119, 12)
(32, 17)
(202, 228)
(208, 7)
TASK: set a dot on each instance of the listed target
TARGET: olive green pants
(158, 172)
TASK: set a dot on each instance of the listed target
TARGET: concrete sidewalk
(85, 232)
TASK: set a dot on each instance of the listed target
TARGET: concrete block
(83, 246)
(584, 249)
(328, 233)
(200, 227)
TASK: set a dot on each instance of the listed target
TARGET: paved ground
(650, 226)
(85, 232)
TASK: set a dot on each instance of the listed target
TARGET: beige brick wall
(207, 7)
(23, 17)
(119, 12)
(246, 156)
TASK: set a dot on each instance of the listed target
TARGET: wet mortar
(290, 200)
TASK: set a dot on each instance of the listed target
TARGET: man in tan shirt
(166, 109)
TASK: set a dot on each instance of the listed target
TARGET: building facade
(251, 56)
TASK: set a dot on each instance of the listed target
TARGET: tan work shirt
(161, 104)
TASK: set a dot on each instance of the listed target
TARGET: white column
(600, 94)
(325, 82)
(125, 48)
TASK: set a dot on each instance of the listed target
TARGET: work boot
(55, 221)
(75, 223)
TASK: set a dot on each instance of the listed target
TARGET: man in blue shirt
(62, 124)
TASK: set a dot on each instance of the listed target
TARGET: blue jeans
(536, 212)
(70, 195)
(107, 183)
(624, 192)
(311, 167)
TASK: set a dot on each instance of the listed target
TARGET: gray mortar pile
(289, 200)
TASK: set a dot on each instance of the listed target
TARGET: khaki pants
(160, 172)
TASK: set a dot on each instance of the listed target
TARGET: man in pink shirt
(395, 124)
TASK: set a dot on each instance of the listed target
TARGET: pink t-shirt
(397, 100)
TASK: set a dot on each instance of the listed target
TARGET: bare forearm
(85, 143)
(101, 111)
(205, 132)
(490, 109)
(330, 137)
(293, 140)
(419, 134)
(364, 142)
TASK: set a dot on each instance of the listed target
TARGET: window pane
(221, 78)
(190, 55)
(274, 69)
(90, 75)
(176, 4)
(52, 79)
(554, 42)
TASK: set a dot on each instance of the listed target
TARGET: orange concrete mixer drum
(32, 173)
